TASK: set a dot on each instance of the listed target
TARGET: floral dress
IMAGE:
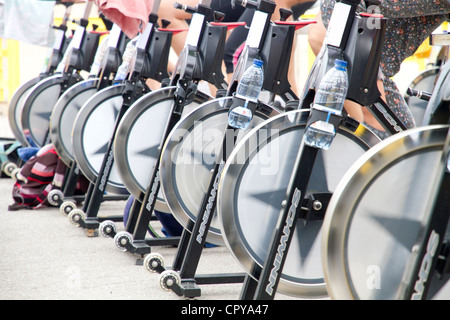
(409, 23)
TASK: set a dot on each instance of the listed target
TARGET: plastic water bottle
(248, 89)
(330, 97)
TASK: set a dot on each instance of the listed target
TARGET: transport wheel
(55, 197)
(67, 206)
(153, 261)
(14, 173)
(122, 240)
(8, 168)
(169, 278)
(107, 229)
(76, 216)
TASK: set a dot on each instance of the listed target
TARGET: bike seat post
(255, 39)
(113, 56)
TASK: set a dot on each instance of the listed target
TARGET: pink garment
(130, 15)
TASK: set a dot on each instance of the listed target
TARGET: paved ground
(43, 256)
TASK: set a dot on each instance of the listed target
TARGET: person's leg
(298, 7)
(235, 42)
(316, 34)
(238, 36)
(177, 20)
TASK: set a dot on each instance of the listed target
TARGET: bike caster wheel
(67, 207)
(14, 174)
(76, 217)
(122, 239)
(8, 168)
(107, 228)
(153, 262)
(168, 279)
(55, 197)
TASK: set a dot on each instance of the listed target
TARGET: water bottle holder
(239, 102)
(322, 115)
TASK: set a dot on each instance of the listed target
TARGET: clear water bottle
(330, 97)
(248, 89)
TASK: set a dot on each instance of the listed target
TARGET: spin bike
(16, 104)
(418, 93)
(398, 248)
(96, 124)
(197, 153)
(9, 158)
(274, 189)
(41, 99)
(200, 60)
(107, 61)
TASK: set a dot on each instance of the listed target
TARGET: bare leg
(177, 20)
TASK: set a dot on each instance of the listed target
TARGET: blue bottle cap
(258, 62)
(340, 63)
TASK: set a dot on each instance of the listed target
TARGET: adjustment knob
(165, 23)
(218, 16)
(285, 14)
